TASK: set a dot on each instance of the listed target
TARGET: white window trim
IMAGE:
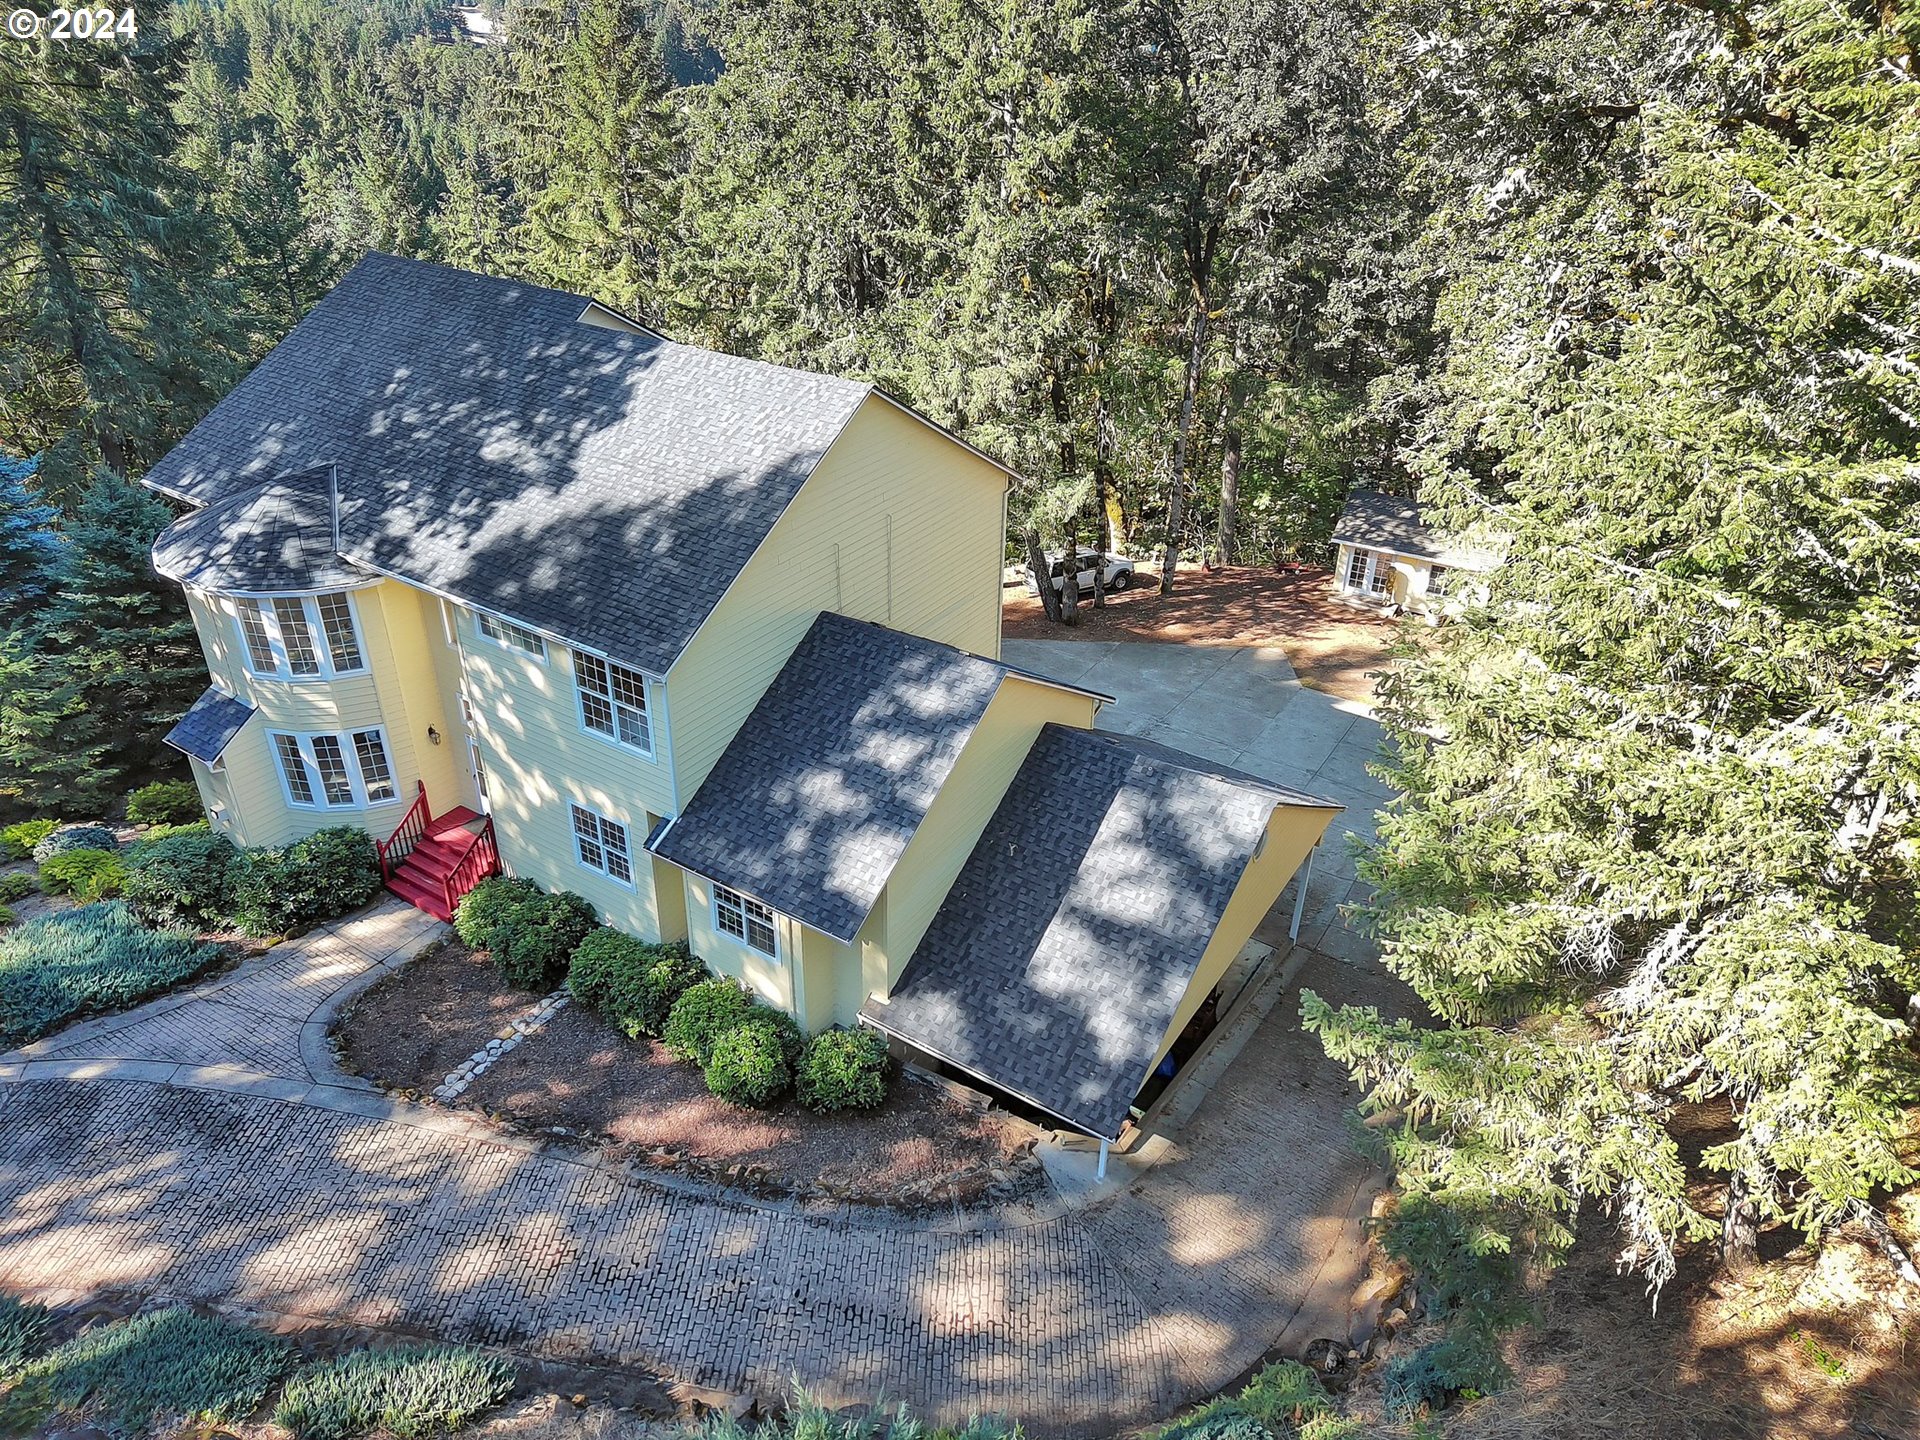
(350, 753)
(316, 628)
(1379, 563)
(778, 954)
(656, 711)
(480, 619)
(603, 818)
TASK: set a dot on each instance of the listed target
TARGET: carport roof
(1055, 965)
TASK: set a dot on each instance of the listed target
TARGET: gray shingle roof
(601, 485)
(1055, 964)
(209, 724)
(1375, 521)
(276, 536)
(824, 784)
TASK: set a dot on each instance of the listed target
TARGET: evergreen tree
(116, 653)
(29, 544)
(111, 308)
(1661, 831)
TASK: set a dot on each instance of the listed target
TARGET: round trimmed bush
(533, 945)
(486, 910)
(843, 1070)
(87, 875)
(164, 802)
(341, 869)
(702, 1015)
(17, 841)
(76, 837)
(185, 878)
(631, 982)
(16, 885)
(748, 1065)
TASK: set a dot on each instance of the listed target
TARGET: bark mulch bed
(929, 1145)
(1331, 646)
(420, 1023)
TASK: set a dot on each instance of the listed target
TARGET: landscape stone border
(503, 1042)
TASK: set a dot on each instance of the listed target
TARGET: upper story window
(301, 636)
(747, 920)
(514, 637)
(613, 701)
(330, 771)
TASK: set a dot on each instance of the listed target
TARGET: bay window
(300, 636)
(328, 771)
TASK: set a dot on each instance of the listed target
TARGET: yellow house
(1386, 556)
(514, 582)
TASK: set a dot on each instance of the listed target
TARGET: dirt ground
(1332, 647)
(416, 1026)
(580, 1078)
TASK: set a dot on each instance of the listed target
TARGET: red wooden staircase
(430, 860)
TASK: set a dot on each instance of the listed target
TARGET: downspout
(1300, 900)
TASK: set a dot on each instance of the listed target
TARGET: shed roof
(1055, 965)
(1376, 521)
(209, 725)
(600, 484)
(814, 800)
(275, 536)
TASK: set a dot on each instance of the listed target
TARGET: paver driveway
(205, 1147)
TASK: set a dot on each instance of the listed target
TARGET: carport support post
(1300, 900)
(1101, 1173)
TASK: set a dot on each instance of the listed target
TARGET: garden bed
(579, 1078)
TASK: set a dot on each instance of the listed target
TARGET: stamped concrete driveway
(207, 1147)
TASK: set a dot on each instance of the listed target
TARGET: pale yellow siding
(897, 525)
(540, 761)
(397, 692)
(770, 979)
(1292, 831)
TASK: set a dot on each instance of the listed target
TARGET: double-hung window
(302, 636)
(331, 771)
(747, 920)
(601, 844)
(613, 701)
(514, 637)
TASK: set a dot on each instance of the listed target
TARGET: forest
(1635, 285)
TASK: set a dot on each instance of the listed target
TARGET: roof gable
(602, 485)
(1062, 951)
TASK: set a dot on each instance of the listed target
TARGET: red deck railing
(480, 859)
(397, 846)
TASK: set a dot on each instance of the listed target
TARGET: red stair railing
(397, 846)
(480, 859)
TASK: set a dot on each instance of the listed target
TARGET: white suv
(1119, 574)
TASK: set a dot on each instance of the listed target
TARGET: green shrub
(164, 802)
(169, 1363)
(631, 982)
(24, 1332)
(86, 874)
(186, 878)
(539, 938)
(1464, 1361)
(164, 832)
(749, 1063)
(76, 837)
(405, 1392)
(285, 891)
(485, 910)
(96, 957)
(1284, 1394)
(6, 916)
(701, 1015)
(17, 841)
(16, 885)
(843, 1070)
(1218, 1420)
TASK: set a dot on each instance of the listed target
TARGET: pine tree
(116, 652)
(29, 545)
(1661, 831)
(112, 306)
